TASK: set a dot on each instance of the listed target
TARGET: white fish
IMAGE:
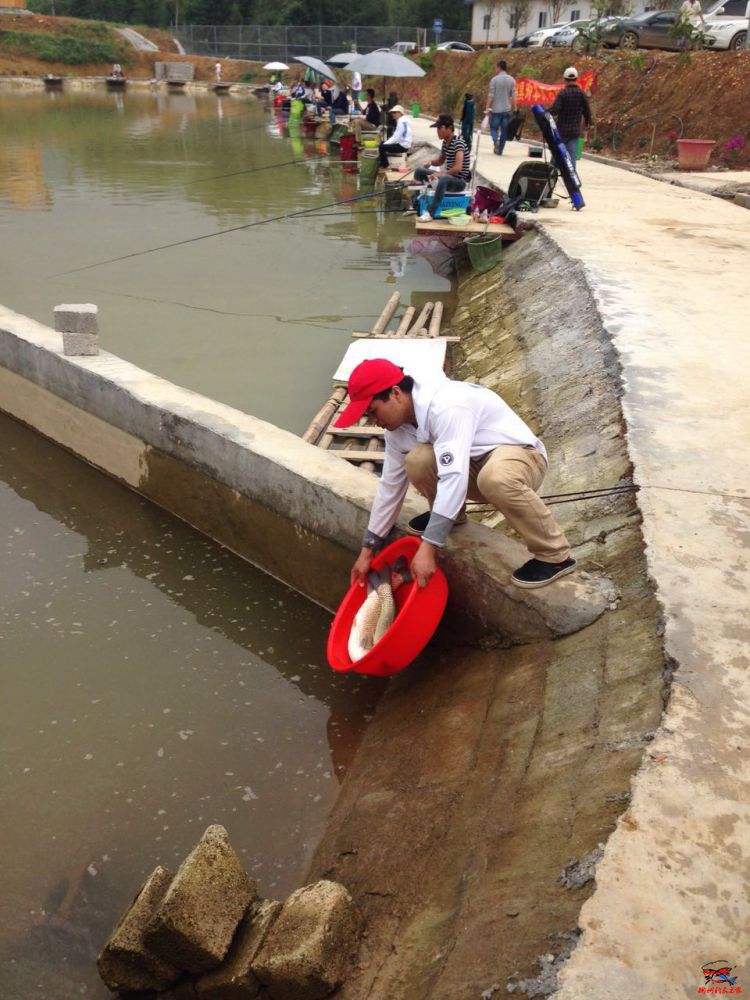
(376, 614)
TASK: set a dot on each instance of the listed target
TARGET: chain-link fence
(264, 42)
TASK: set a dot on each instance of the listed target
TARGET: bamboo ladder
(362, 444)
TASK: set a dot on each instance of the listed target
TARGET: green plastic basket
(484, 252)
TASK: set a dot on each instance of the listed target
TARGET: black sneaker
(536, 573)
(418, 524)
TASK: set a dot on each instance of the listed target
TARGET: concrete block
(75, 344)
(311, 946)
(235, 979)
(126, 963)
(742, 199)
(194, 924)
(80, 318)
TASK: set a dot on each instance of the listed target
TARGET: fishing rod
(268, 166)
(477, 507)
(220, 232)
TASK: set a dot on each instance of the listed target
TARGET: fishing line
(220, 232)
(268, 166)
(574, 496)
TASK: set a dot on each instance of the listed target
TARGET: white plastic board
(418, 356)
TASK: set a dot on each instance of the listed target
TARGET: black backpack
(533, 181)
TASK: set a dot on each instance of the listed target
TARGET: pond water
(259, 317)
(153, 684)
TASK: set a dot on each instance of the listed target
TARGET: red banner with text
(535, 92)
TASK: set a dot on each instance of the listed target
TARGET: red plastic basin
(418, 615)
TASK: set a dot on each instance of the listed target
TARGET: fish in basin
(376, 614)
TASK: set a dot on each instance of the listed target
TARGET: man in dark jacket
(369, 120)
(571, 105)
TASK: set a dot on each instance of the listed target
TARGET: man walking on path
(452, 440)
(570, 106)
(501, 101)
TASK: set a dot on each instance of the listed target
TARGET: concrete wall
(282, 504)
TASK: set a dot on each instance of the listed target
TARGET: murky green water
(258, 318)
(152, 684)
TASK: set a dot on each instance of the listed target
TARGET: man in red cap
(452, 440)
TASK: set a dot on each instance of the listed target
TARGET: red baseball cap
(367, 380)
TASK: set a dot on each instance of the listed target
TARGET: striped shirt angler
(450, 148)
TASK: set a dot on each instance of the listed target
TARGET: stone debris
(194, 924)
(235, 979)
(126, 963)
(577, 873)
(545, 984)
(311, 945)
(205, 935)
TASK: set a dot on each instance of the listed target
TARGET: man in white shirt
(691, 13)
(452, 440)
(400, 141)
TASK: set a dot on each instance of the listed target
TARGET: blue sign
(437, 25)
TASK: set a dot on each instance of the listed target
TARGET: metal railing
(264, 42)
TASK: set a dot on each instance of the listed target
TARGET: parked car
(726, 25)
(543, 36)
(404, 48)
(521, 42)
(726, 34)
(566, 35)
(455, 47)
(653, 30)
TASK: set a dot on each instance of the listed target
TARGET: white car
(543, 36)
(726, 34)
(455, 47)
(727, 24)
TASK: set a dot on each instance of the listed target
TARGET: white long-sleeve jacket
(462, 421)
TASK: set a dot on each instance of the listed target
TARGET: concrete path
(137, 40)
(668, 267)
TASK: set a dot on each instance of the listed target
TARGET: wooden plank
(398, 176)
(388, 310)
(358, 432)
(421, 319)
(437, 316)
(358, 456)
(491, 228)
(406, 319)
(448, 338)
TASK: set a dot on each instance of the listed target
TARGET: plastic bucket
(295, 109)
(369, 162)
(348, 148)
(694, 154)
(486, 200)
(417, 616)
(484, 252)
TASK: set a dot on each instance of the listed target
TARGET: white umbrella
(385, 64)
(343, 58)
(276, 65)
(317, 64)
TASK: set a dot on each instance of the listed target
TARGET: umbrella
(385, 64)
(276, 65)
(317, 64)
(343, 58)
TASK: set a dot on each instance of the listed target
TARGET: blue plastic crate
(448, 201)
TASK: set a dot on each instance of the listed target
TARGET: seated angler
(400, 141)
(454, 156)
(369, 120)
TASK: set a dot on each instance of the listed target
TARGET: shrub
(69, 49)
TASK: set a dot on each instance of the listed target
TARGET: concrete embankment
(487, 770)
(667, 267)
(275, 500)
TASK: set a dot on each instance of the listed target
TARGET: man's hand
(423, 565)
(361, 567)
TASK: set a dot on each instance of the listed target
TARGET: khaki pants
(362, 125)
(507, 478)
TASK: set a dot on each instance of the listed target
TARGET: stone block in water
(195, 922)
(235, 979)
(126, 963)
(311, 946)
